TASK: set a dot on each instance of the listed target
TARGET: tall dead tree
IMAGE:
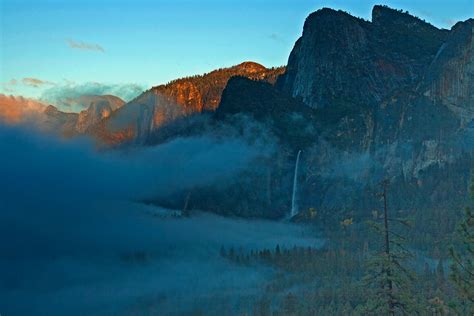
(388, 281)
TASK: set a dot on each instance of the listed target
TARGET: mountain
(53, 120)
(390, 98)
(399, 107)
(161, 105)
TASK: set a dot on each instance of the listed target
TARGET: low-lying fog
(76, 241)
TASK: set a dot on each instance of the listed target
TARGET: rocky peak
(51, 109)
(251, 67)
(98, 108)
(56, 121)
(386, 16)
(335, 30)
(342, 59)
(322, 63)
(328, 18)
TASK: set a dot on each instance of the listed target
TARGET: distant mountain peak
(51, 109)
(97, 107)
(251, 66)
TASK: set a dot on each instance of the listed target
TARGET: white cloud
(85, 46)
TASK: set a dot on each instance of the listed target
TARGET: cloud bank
(17, 109)
(64, 96)
(78, 244)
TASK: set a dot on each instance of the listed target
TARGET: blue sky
(48, 44)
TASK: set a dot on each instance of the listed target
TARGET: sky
(132, 45)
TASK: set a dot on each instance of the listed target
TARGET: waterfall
(294, 207)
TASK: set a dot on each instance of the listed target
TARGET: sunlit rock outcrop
(182, 97)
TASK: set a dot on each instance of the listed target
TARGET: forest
(384, 266)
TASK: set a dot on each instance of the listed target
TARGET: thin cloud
(9, 86)
(449, 22)
(35, 82)
(275, 37)
(426, 13)
(85, 46)
(6, 89)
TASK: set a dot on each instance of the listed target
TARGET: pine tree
(440, 273)
(290, 304)
(277, 251)
(462, 269)
(262, 307)
(222, 252)
(388, 281)
(231, 254)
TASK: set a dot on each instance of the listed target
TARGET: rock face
(346, 68)
(183, 97)
(449, 81)
(394, 98)
(343, 59)
(289, 119)
(258, 98)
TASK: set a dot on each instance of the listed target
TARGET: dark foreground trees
(462, 268)
(388, 281)
(359, 272)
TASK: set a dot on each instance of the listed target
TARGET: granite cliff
(387, 99)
